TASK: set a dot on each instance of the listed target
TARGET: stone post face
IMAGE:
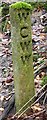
(22, 55)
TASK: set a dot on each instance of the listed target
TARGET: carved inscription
(23, 15)
(25, 58)
(24, 32)
(25, 44)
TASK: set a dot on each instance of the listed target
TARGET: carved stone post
(22, 52)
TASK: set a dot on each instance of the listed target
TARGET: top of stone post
(20, 5)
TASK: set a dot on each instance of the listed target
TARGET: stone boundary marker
(22, 52)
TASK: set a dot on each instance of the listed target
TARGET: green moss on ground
(20, 5)
(39, 4)
(4, 12)
(45, 5)
(44, 80)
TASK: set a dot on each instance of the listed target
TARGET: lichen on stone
(20, 5)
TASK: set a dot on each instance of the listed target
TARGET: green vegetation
(0, 10)
(39, 4)
(45, 5)
(42, 61)
(44, 80)
(45, 29)
(20, 5)
(35, 57)
(5, 11)
(0, 15)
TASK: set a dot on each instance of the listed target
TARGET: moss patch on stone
(20, 5)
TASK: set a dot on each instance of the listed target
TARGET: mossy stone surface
(22, 56)
(20, 5)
